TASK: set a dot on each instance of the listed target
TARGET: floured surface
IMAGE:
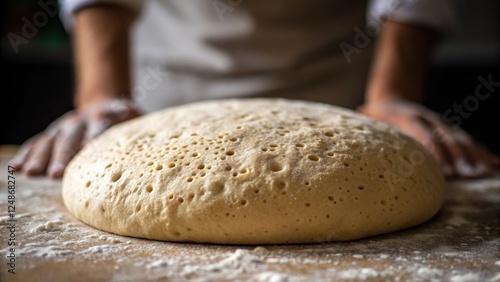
(460, 244)
(253, 171)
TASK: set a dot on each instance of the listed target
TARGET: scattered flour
(357, 273)
(109, 239)
(159, 264)
(468, 277)
(495, 278)
(272, 277)
(281, 260)
(101, 249)
(49, 226)
(241, 261)
(457, 221)
(45, 252)
(428, 273)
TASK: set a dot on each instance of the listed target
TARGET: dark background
(37, 82)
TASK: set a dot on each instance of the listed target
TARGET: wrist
(384, 97)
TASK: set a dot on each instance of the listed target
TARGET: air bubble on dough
(313, 158)
(116, 176)
(291, 178)
(275, 167)
(279, 184)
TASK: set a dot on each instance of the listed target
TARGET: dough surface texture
(253, 171)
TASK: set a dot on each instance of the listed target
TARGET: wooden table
(460, 244)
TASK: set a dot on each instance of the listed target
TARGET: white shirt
(319, 50)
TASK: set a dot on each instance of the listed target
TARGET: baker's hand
(50, 151)
(454, 149)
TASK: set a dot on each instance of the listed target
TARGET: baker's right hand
(49, 152)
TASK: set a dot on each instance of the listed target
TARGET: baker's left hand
(455, 150)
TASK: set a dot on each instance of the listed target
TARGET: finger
(484, 164)
(489, 159)
(66, 145)
(495, 160)
(458, 154)
(23, 153)
(95, 127)
(39, 156)
(20, 160)
(98, 122)
(426, 137)
(440, 152)
(476, 154)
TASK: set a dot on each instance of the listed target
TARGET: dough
(253, 171)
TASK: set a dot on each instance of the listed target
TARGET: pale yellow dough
(256, 171)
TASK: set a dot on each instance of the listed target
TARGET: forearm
(101, 54)
(399, 68)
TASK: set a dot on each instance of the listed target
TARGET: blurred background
(37, 75)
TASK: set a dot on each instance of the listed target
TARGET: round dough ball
(253, 171)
